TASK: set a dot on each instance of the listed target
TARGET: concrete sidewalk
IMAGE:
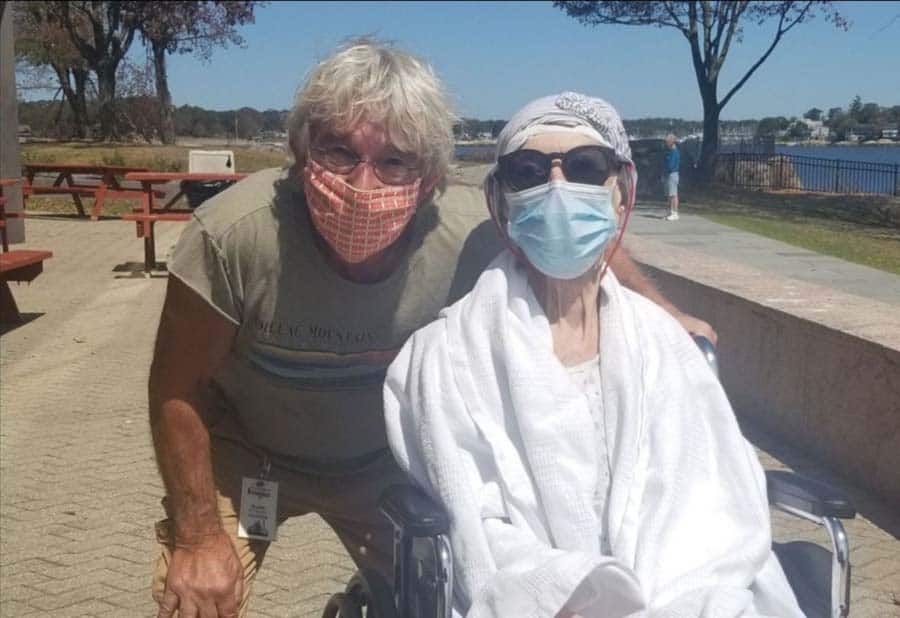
(719, 242)
(79, 491)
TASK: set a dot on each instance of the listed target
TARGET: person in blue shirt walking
(673, 161)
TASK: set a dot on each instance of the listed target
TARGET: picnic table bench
(18, 265)
(149, 213)
(106, 187)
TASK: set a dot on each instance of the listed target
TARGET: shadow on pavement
(6, 327)
(869, 506)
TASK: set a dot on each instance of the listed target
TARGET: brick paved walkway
(79, 490)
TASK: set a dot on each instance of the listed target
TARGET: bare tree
(710, 27)
(186, 27)
(102, 32)
(42, 42)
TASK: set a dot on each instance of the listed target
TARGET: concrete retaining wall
(832, 393)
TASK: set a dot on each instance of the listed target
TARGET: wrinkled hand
(696, 326)
(204, 580)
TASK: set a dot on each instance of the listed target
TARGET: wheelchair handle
(709, 352)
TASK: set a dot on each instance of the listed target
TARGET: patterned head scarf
(568, 111)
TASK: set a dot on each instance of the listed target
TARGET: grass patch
(851, 245)
(860, 229)
(157, 158)
(63, 205)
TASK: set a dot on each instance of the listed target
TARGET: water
(881, 153)
(852, 175)
(838, 169)
(475, 152)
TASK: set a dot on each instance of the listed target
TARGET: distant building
(24, 132)
(890, 133)
(817, 129)
(864, 132)
(272, 136)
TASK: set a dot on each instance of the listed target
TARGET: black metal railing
(802, 173)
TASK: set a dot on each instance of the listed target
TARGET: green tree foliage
(874, 116)
(814, 114)
(799, 131)
(710, 29)
(473, 128)
(869, 114)
(772, 125)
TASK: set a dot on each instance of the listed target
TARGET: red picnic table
(106, 186)
(19, 265)
(149, 213)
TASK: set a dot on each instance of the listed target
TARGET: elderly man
(670, 176)
(289, 296)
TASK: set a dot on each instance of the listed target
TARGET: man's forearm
(631, 276)
(629, 273)
(181, 439)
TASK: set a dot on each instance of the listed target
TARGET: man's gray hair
(373, 81)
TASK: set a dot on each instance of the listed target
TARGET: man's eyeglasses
(391, 168)
(524, 169)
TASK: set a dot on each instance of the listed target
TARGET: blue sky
(496, 56)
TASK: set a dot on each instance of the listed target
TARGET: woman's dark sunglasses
(524, 169)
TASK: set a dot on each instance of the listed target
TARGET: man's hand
(696, 326)
(204, 580)
(631, 276)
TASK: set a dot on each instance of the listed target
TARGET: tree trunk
(706, 167)
(79, 109)
(106, 89)
(78, 128)
(166, 115)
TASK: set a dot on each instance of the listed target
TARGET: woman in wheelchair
(588, 457)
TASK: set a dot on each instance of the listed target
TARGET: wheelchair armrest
(414, 512)
(709, 352)
(789, 489)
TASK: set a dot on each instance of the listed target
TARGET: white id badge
(259, 506)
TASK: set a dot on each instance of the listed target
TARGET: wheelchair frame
(423, 558)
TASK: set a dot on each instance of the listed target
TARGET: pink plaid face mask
(357, 224)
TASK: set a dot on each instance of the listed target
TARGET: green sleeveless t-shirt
(304, 376)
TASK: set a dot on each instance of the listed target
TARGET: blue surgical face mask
(562, 227)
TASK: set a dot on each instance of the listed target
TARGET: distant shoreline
(813, 144)
(881, 142)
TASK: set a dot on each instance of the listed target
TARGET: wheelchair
(423, 559)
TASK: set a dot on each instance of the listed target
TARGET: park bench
(18, 265)
(102, 183)
(148, 214)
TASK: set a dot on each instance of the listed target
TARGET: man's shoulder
(251, 198)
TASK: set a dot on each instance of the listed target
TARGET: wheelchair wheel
(367, 596)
